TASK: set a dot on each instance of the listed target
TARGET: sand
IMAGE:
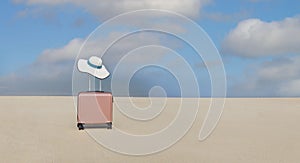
(43, 129)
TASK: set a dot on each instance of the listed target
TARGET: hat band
(94, 66)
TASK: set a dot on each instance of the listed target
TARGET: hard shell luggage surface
(94, 110)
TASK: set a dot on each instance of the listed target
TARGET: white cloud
(108, 8)
(51, 73)
(290, 88)
(278, 69)
(65, 53)
(255, 38)
(279, 77)
(97, 45)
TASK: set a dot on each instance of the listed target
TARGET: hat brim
(83, 66)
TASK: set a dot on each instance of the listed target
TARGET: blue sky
(257, 40)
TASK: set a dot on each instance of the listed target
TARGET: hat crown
(95, 61)
(93, 66)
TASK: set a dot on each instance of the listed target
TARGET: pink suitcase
(94, 110)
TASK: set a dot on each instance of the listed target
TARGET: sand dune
(43, 129)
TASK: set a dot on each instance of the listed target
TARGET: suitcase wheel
(80, 126)
(109, 125)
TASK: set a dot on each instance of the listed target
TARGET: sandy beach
(43, 129)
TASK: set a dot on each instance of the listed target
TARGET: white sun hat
(93, 66)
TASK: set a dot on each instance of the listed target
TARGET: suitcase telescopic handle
(89, 82)
(100, 85)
